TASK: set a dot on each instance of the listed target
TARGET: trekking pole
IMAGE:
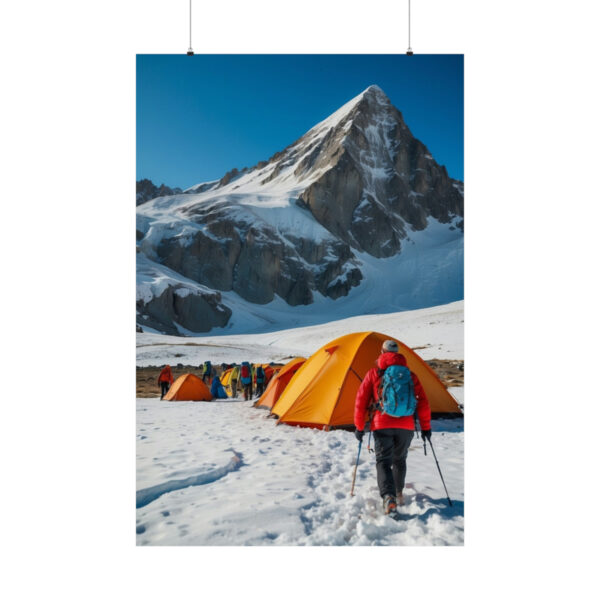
(369, 443)
(438, 466)
(417, 434)
(355, 468)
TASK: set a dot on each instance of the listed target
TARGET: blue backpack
(397, 392)
(260, 374)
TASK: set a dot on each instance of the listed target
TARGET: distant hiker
(391, 388)
(246, 379)
(259, 373)
(165, 380)
(206, 371)
(235, 376)
(216, 389)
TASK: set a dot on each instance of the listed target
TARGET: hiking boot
(399, 499)
(389, 504)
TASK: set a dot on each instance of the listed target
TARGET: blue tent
(217, 390)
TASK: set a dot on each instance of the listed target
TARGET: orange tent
(323, 391)
(188, 387)
(278, 383)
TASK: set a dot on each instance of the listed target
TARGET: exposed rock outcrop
(176, 305)
(145, 190)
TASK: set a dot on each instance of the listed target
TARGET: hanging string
(190, 52)
(409, 51)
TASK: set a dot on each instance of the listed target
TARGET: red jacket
(368, 393)
(166, 375)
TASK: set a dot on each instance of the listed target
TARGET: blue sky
(200, 116)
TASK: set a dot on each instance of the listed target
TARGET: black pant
(247, 391)
(260, 388)
(391, 448)
(164, 388)
(234, 388)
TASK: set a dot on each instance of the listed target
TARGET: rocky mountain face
(145, 190)
(194, 312)
(358, 183)
(378, 179)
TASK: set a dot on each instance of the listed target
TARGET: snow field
(291, 485)
(434, 332)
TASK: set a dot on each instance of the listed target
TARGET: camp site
(279, 469)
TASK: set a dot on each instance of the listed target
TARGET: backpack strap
(377, 404)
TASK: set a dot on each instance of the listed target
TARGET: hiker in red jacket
(393, 435)
(165, 380)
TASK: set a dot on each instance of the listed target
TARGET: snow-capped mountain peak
(309, 156)
(299, 226)
(372, 95)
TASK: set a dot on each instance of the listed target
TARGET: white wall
(67, 135)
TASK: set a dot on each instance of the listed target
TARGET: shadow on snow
(147, 495)
(441, 508)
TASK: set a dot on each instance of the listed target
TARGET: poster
(294, 213)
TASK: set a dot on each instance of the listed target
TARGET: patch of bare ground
(450, 372)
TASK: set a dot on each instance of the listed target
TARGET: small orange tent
(188, 387)
(278, 383)
(323, 391)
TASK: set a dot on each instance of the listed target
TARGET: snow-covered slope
(354, 217)
(437, 333)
